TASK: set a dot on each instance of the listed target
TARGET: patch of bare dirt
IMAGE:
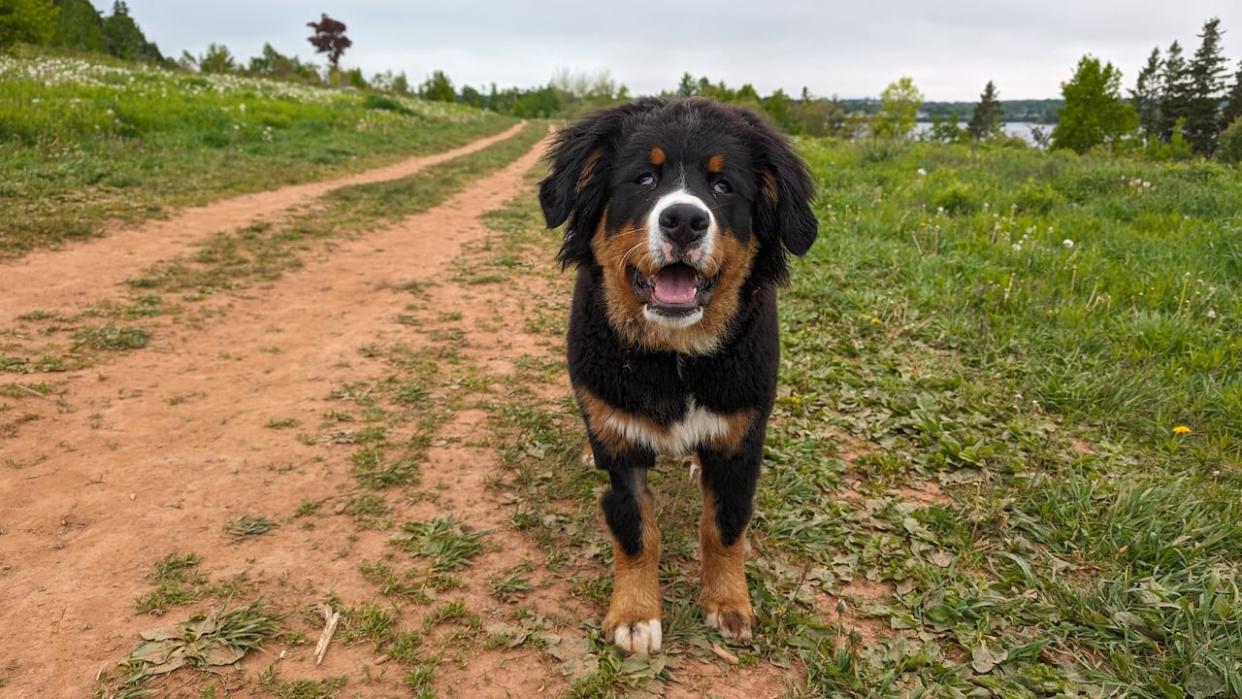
(55, 280)
(130, 470)
(924, 493)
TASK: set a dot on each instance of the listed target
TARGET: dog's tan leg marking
(725, 599)
(633, 620)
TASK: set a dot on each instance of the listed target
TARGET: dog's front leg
(728, 484)
(633, 619)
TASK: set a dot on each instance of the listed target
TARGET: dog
(679, 216)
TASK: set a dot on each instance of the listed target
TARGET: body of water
(1021, 129)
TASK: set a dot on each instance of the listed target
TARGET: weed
(449, 543)
(244, 526)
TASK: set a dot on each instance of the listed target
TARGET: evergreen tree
(1094, 113)
(1207, 86)
(989, 115)
(79, 27)
(27, 22)
(124, 39)
(687, 87)
(1233, 107)
(1174, 90)
(1146, 95)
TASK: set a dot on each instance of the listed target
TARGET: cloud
(950, 49)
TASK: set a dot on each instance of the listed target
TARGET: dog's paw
(732, 621)
(638, 637)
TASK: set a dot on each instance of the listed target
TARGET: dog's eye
(722, 187)
(647, 179)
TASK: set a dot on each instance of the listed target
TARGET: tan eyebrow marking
(657, 156)
(715, 164)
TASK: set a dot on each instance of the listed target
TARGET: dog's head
(682, 205)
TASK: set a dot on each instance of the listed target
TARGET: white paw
(641, 637)
(730, 624)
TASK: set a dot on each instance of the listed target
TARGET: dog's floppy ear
(783, 207)
(575, 191)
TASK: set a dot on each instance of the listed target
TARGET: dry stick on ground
(330, 619)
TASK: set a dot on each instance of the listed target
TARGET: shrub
(955, 198)
(1229, 150)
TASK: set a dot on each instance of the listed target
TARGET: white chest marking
(698, 426)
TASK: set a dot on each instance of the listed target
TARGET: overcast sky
(950, 47)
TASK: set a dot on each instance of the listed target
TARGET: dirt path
(53, 280)
(155, 451)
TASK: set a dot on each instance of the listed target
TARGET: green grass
(447, 542)
(86, 140)
(177, 582)
(1082, 548)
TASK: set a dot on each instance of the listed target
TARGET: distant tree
(1207, 72)
(1233, 107)
(1174, 90)
(822, 117)
(401, 84)
(329, 38)
(1041, 137)
(899, 110)
(1146, 95)
(687, 85)
(779, 108)
(1230, 148)
(79, 27)
(27, 22)
(123, 37)
(946, 129)
(471, 96)
(274, 64)
(989, 115)
(218, 59)
(438, 88)
(1094, 113)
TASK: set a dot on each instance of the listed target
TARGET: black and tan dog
(678, 217)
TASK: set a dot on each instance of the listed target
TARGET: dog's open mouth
(675, 290)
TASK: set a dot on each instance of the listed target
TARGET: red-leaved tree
(329, 38)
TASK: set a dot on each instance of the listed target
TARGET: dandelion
(1069, 244)
(921, 172)
(1211, 314)
(1181, 429)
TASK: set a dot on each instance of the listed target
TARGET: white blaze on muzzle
(662, 250)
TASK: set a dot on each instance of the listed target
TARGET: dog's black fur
(598, 185)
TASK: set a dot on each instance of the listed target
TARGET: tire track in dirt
(53, 280)
(130, 471)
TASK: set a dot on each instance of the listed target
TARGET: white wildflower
(1069, 244)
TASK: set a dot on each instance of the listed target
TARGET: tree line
(1179, 105)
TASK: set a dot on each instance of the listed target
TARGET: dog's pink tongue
(674, 285)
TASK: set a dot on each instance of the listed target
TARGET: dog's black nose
(684, 224)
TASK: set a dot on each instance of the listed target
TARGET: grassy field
(83, 141)
(1005, 460)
